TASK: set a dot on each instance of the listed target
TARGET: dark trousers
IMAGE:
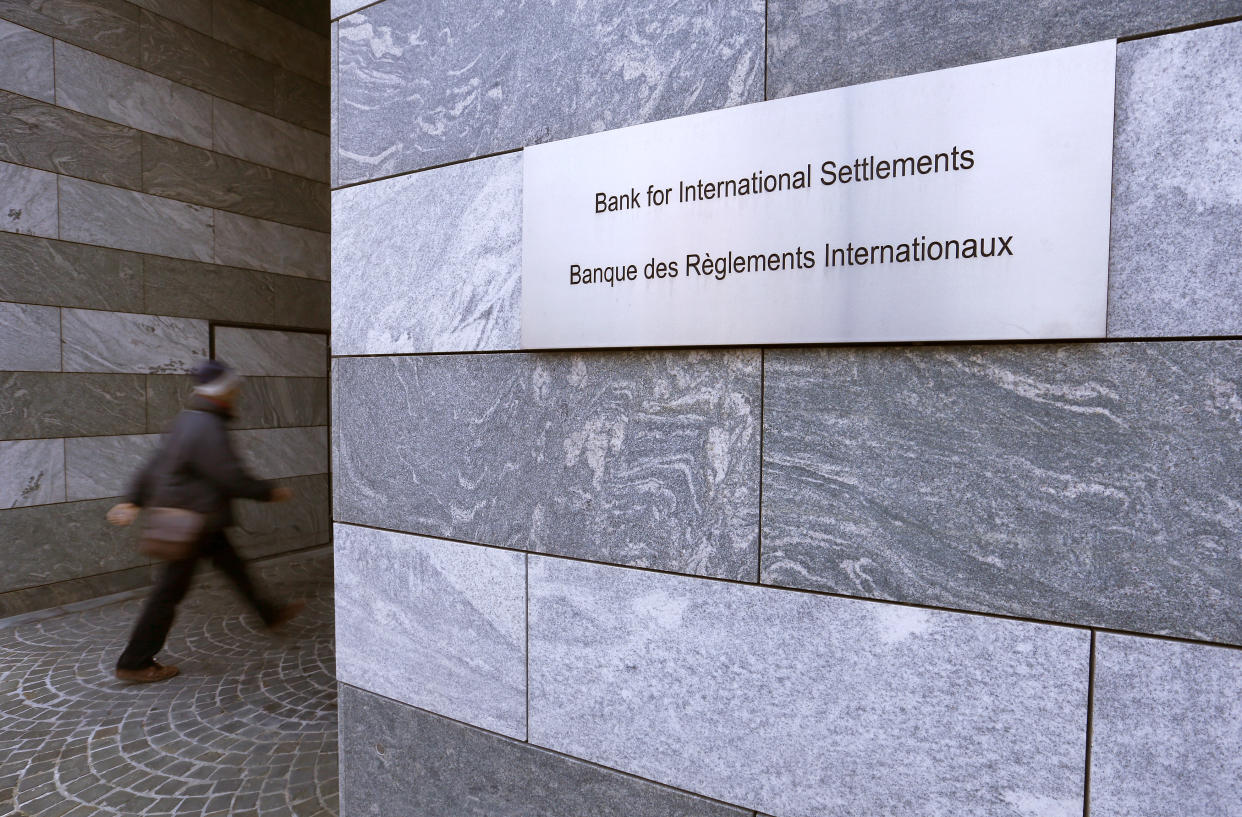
(174, 582)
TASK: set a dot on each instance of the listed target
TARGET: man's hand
(281, 494)
(123, 514)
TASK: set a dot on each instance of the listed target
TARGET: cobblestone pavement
(248, 728)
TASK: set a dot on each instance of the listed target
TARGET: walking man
(195, 469)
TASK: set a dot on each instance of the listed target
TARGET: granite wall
(903, 580)
(163, 178)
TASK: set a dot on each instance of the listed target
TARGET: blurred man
(197, 470)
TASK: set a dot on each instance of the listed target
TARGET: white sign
(965, 204)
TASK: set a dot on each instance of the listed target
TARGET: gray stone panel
(426, 83)
(56, 404)
(32, 472)
(429, 262)
(833, 43)
(1091, 483)
(27, 64)
(334, 149)
(276, 453)
(268, 353)
(40, 135)
(51, 543)
(396, 759)
(1173, 266)
(264, 528)
(97, 467)
(215, 180)
(266, 402)
(1167, 729)
(108, 27)
(257, 137)
(186, 56)
(141, 344)
(310, 14)
(342, 7)
(58, 273)
(302, 102)
(29, 338)
(272, 37)
(242, 241)
(27, 201)
(111, 217)
(69, 591)
(112, 90)
(193, 13)
(804, 705)
(648, 459)
(434, 624)
(194, 290)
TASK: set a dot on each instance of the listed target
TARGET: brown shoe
(147, 675)
(286, 614)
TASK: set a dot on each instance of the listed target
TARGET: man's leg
(226, 560)
(157, 615)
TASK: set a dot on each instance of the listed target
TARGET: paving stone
(202, 744)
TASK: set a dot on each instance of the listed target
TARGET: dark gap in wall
(823, 593)
(428, 167)
(536, 746)
(1179, 29)
(763, 399)
(1086, 780)
(812, 346)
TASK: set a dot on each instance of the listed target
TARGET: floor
(248, 728)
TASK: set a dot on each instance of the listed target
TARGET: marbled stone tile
(1173, 266)
(58, 404)
(58, 273)
(72, 590)
(193, 13)
(182, 54)
(32, 472)
(302, 101)
(648, 459)
(257, 137)
(434, 624)
(111, 217)
(194, 290)
(98, 467)
(750, 695)
(276, 453)
(1167, 728)
(37, 134)
(266, 402)
(425, 83)
(29, 338)
(27, 201)
(396, 759)
(108, 27)
(242, 241)
(272, 37)
(429, 262)
(1090, 483)
(27, 64)
(264, 352)
(342, 7)
(334, 152)
(52, 543)
(833, 43)
(141, 344)
(265, 528)
(112, 90)
(310, 14)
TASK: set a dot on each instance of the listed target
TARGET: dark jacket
(196, 469)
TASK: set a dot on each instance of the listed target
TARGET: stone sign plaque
(966, 204)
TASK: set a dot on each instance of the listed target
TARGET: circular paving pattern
(247, 729)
